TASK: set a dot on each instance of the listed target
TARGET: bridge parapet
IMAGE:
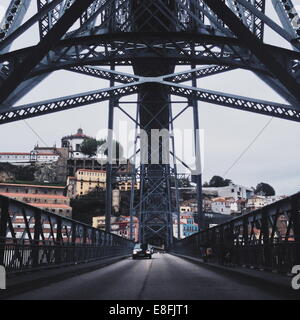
(31, 238)
(268, 238)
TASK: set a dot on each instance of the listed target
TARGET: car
(141, 250)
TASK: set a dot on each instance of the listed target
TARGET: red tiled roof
(31, 185)
(32, 195)
(79, 134)
(50, 205)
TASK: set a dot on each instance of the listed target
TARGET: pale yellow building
(126, 186)
(88, 180)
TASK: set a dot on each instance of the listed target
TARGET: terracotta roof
(50, 205)
(223, 199)
(219, 199)
(31, 185)
(79, 134)
(32, 195)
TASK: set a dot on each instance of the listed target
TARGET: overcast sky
(274, 158)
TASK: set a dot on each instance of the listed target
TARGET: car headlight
(135, 252)
(148, 251)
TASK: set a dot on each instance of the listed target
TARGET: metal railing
(268, 238)
(31, 238)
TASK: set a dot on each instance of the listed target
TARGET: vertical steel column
(4, 216)
(73, 241)
(142, 177)
(266, 238)
(109, 161)
(170, 214)
(59, 239)
(295, 216)
(133, 176)
(37, 233)
(177, 207)
(245, 243)
(198, 175)
(74, 233)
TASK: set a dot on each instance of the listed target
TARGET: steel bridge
(95, 38)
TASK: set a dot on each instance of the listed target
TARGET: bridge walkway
(164, 277)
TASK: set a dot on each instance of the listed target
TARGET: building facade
(187, 225)
(86, 181)
(49, 198)
(119, 226)
(34, 156)
(257, 202)
(232, 191)
(73, 144)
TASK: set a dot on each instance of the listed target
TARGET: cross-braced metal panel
(32, 238)
(268, 238)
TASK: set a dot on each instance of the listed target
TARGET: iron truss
(193, 33)
(31, 238)
(267, 238)
(95, 37)
(122, 49)
(277, 110)
(13, 17)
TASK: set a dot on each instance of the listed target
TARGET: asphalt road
(164, 277)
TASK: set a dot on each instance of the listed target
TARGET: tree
(183, 182)
(264, 189)
(117, 148)
(217, 181)
(89, 147)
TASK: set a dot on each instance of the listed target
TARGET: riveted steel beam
(37, 54)
(265, 56)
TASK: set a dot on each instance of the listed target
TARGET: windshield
(141, 246)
